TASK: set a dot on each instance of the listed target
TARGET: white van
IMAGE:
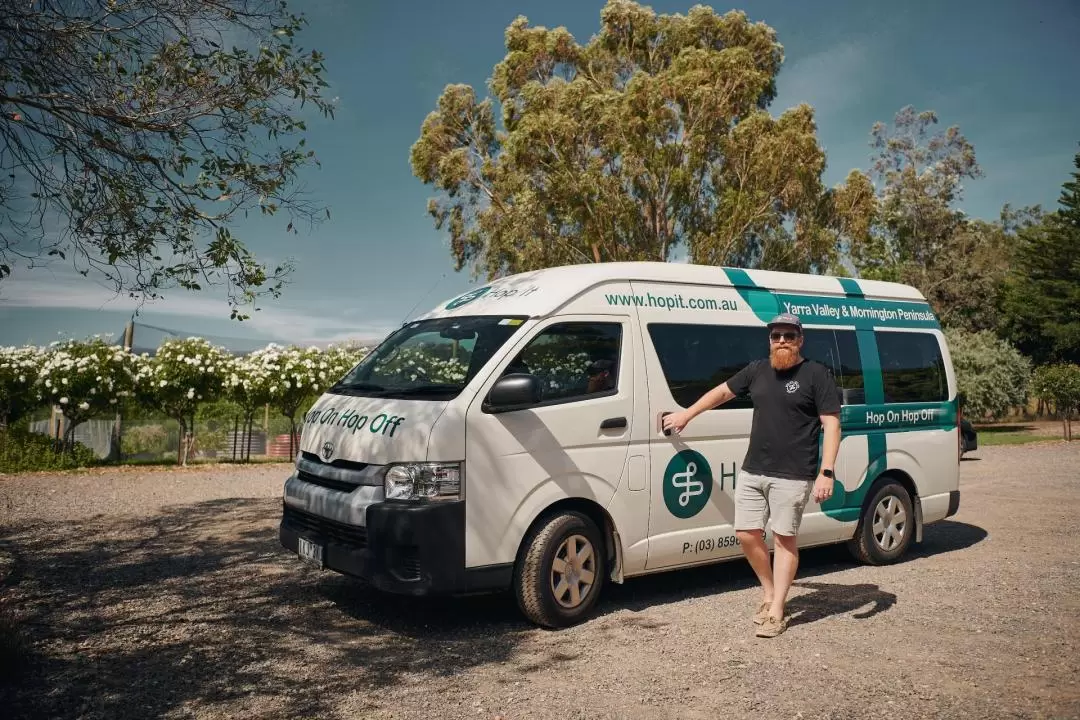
(511, 438)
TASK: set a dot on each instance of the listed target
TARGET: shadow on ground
(199, 609)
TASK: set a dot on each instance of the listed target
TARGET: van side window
(912, 368)
(697, 358)
(838, 350)
(850, 372)
(573, 360)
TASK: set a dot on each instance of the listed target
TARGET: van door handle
(613, 423)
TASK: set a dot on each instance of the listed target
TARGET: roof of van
(541, 292)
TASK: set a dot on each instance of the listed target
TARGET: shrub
(992, 375)
(86, 379)
(19, 391)
(181, 376)
(1060, 385)
(25, 451)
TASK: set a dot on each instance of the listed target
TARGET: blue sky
(1005, 72)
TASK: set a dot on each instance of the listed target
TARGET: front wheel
(887, 526)
(561, 572)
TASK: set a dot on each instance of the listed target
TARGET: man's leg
(751, 510)
(786, 556)
(787, 498)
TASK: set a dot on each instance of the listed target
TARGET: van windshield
(429, 359)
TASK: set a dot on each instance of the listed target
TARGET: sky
(1004, 72)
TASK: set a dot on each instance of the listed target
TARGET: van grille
(331, 483)
(302, 522)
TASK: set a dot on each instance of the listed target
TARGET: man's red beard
(783, 358)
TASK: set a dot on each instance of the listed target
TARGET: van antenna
(424, 297)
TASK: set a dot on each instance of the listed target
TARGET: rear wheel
(887, 526)
(561, 572)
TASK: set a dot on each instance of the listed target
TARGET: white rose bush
(182, 375)
(86, 379)
(94, 379)
(19, 389)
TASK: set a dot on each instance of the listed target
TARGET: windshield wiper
(357, 387)
(429, 389)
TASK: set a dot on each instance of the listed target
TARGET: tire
(884, 543)
(537, 576)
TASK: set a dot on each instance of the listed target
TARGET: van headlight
(423, 481)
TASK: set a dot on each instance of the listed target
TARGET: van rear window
(912, 368)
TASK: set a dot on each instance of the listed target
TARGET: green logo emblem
(687, 484)
(468, 297)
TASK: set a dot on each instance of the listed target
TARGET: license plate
(310, 552)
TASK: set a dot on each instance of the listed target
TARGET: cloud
(44, 288)
(829, 80)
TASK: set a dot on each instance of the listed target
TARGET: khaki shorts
(760, 498)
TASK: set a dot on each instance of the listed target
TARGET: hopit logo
(468, 297)
(688, 484)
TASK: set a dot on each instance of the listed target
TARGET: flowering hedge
(182, 375)
(86, 378)
(19, 391)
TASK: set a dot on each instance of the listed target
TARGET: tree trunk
(250, 429)
(596, 252)
(180, 457)
(292, 435)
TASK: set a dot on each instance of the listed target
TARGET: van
(512, 439)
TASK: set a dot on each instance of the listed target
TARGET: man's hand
(822, 488)
(677, 420)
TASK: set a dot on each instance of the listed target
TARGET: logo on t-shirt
(687, 484)
(792, 386)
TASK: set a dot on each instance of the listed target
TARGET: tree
(248, 386)
(652, 136)
(86, 379)
(180, 376)
(134, 133)
(918, 236)
(19, 391)
(992, 375)
(1060, 384)
(1042, 292)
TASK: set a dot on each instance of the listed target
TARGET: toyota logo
(327, 450)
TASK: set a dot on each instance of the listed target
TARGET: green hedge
(24, 451)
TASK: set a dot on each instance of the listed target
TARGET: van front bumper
(405, 548)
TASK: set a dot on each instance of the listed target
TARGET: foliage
(182, 375)
(992, 375)
(651, 136)
(25, 451)
(86, 378)
(917, 236)
(19, 391)
(297, 375)
(1042, 292)
(1059, 384)
(148, 126)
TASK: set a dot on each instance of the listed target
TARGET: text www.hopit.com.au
(671, 302)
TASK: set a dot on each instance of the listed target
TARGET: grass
(1015, 434)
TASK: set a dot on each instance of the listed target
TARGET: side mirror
(513, 392)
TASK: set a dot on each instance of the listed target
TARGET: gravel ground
(155, 593)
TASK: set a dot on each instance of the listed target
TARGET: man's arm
(736, 385)
(717, 396)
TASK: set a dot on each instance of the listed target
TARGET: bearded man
(793, 399)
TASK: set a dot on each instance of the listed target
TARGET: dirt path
(160, 595)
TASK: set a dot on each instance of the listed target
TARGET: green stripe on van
(852, 310)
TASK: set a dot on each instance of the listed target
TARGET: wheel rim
(890, 523)
(573, 571)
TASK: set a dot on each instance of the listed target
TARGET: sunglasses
(789, 336)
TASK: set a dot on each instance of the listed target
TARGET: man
(793, 400)
(600, 378)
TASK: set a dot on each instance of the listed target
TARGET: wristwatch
(827, 472)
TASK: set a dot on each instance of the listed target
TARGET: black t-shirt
(787, 409)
